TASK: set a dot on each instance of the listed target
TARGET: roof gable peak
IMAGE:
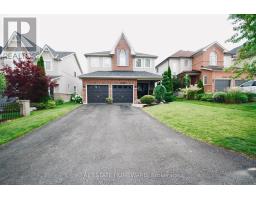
(123, 37)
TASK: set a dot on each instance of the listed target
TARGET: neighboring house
(208, 64)
(122, 74)
(61, 66)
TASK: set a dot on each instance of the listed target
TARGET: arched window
(123, 58)
(213, 58)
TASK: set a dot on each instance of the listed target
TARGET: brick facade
(122, 44)
(203, 57)
(109, 82)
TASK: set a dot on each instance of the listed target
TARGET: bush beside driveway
(18, 127)
(229, 126)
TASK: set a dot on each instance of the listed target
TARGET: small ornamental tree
(159, 93)
(2, 83)
(169, 73)
(40, 64)
(186, 80)
(166, 81)
(27, 81)
(176, 83)
(200, 85)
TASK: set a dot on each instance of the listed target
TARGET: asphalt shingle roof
(234, 51)
(182, 54)
(122, 75)
(108, 53)
(58, 54)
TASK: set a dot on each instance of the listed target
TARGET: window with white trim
(106, 62)
(123, 58)
(205, 80)
(138, 62)
(95, 62)
(213, 58)
(147, 62)
(48, 65)
(186, 63)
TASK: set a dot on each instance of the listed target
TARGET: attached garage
(97, 93)
(222, 84)
(122, 93)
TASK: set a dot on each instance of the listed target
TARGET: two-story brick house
(122, 74)
(208, 64)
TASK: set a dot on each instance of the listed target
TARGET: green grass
(15, 128)
(229, 126)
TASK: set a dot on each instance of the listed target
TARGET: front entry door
(142, 89)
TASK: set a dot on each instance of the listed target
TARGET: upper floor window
(213, 58)
(106, 62)
(147, 62)
(138, 62)
(123, 58)
(186, 63)
(74, 74)
(48, 65)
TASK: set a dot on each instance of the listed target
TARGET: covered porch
(145, 87)
(194, 76)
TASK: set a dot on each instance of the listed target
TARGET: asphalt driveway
(117, 144)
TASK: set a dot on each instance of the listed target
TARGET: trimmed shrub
(147, 99)
(159, 92)
(219, 97)
(50, 104)
(59, 102)
(39, 106)
(207, 97)
(169, 97)
(190, 92)
(235, 95)
(199, 96)
(76, 98)
(243, 98)
(109, 100)
(251, 96)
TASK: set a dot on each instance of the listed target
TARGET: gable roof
(110, 53)
(123, 37)
(26, 43)
(182, 54)
(234, 51)
(189, 54)
(122, 75)
(208, 46)
(58, 55)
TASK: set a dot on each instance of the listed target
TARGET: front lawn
(18, 127)
(229, 126)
